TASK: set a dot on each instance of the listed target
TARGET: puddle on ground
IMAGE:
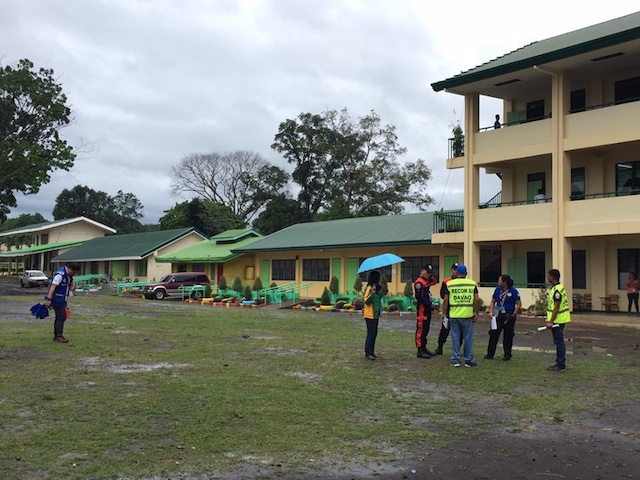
(94, 363)
(536, 349)
(281, 350)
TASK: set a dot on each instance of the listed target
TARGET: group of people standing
(459, 312)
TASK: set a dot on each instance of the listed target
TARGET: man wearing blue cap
(56, 298)
(462, 301)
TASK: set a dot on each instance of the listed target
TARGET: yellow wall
(79, 230)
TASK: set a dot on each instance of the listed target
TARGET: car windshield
(166, 278)
(37, 273)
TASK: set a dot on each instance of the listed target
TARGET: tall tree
(350, 168)
(208, 217)
(230, 178)
(120, 212)
(281, 212)
(33, 109)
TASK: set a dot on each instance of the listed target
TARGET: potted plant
(458, 140)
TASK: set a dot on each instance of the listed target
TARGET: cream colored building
(571, 113)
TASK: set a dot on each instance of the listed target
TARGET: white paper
(540, 329)
(445, 322)
(494, 323)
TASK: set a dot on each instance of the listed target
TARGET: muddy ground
(596, 444)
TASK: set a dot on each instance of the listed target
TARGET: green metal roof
(210, 251)
(47, 247)
(410, 229)
(234, 235)
(595, 37)
(43, 226)
(133, 246)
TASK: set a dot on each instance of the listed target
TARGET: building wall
(157, 269)
(74, 231)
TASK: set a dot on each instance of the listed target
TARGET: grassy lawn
(160, 388)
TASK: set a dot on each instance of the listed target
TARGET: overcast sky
(150, 81)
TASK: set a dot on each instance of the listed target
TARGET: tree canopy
(33, 109)
(121, 211)
(208, 217)
(346, 167)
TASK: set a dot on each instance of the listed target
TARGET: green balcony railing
(449, 221)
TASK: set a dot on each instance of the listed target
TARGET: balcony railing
(456, 147)
(604, 105)
(590, 196)
(448, 222)
(515, 204)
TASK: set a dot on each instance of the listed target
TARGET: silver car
(33, 278)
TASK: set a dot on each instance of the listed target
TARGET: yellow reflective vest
(461, 297)
(563, 315)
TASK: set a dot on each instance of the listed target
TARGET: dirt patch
(96, 364)
(307, 377)
(279, 350)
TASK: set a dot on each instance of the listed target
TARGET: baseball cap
(455, 266)
(462, 270)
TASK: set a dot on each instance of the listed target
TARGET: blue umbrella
(379, 261)
(39, 311)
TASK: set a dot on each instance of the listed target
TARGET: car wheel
(21, 283)
(160, 294)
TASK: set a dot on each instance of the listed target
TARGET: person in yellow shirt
(557, 317)
(372, 308)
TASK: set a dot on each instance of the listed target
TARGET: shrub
(408, 289)
(222, 283)
(257, 284)
(273, 285)
(340, 305)
(207, 291)
(358, 303)
(393, 307)
(357, 286)
(237, 286)
(325, 299)
(541, 297)
(248, 293)
(334, 285)
(385, 285)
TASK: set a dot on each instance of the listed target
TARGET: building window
(283, 270)
(182, 267)
(579, 268)
(628, 261)
(315, 270)
(577, 183)
(535, 110)
(536, 273)
(627, 90)
(411, 266)
(490, 264)
(44, 239)
(535, 185)
(628, 178)
(578, 101)
(141, 268)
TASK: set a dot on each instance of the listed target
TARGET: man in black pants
(444, 329)
(56, 298)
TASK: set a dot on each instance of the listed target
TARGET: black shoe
(370, 357)
(506, 358)
(470, 364)
(488, 357)
(438, 351)
(430, 353)
(422, 354)
(374, 355)
(556, 368)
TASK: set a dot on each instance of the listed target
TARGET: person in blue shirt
(505, 305)
(56, 298)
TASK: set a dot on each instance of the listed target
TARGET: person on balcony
(505, 305)
(633, 287)
(540, 197)
(422, 289)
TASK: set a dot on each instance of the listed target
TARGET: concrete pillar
(471, 184)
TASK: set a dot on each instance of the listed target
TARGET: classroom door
(265, 273)
(352, 273)
(336, 271)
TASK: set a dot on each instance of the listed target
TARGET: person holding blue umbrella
(56, 298)
(371, 311)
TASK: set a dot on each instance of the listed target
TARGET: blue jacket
(61, 292)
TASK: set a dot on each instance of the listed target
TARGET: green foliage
(21, 221)
(358, 303)
(222, 283)
(280, 212)
(385, 285)
(325, 299)
(237, 285)
(541, 298)
(408, 289)
(357, 286)
(257, 284)
(206, 216)
(334, 285)
(207, 291)
(349, 167)
(120, 212)
(458, 140)
(248, 293)
(273, 285)
(33, 109)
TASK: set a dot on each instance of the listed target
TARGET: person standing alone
(56, 298)
(632, 285)
(422, 289)
(557, 317)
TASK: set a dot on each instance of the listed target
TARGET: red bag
(68, 312)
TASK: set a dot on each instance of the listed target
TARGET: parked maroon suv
(170, 284)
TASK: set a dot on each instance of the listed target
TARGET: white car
(33, 278)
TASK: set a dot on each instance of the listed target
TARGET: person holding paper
(557, 317)
(505, 305)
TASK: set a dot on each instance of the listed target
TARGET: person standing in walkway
(557, 317)
(505, 305)
(56, 298)
(444, 327)
(422, 289)
(633, 285)
(371, 311)
(461, 297)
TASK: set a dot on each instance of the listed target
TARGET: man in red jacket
(424, 307)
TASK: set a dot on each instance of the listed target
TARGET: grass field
(160, 388)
